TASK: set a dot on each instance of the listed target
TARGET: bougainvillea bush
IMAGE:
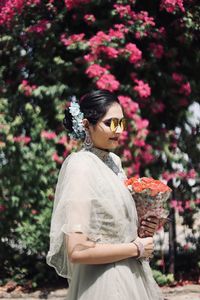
(147, 52)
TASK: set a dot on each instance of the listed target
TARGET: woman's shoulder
(78, 159)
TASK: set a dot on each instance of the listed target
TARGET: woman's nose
(118, 129)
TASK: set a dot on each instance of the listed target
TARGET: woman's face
(101, 134)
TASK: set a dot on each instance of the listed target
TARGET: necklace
(105, 156)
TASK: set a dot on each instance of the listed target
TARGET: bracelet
(140, 248)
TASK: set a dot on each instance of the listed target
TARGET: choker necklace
(105, 157)
(101, 153)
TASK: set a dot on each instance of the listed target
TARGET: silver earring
(87, 142)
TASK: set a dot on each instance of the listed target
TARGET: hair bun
(67, 121)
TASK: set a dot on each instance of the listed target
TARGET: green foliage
(163, 279)
(38, 73)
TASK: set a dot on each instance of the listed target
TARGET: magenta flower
(89, 19)
(172, 5)
(134, 53)
(99, 39)
(57, 158)
(74, 38)
(177, 77)
(22, 139)
(123, 10)
(108, 82)
(40, 27)
(185, 89)
(48, 135)
(143, 89)
(129, 105)
(109, 51)
(95, 70)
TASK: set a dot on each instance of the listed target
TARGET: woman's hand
(148, 246)
(148, 226)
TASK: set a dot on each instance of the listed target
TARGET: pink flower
(178, 78)
(108, 82)
(185, 89)
(129, 105)
(127, 154)
(48, 135)
(10, 8)
(134, 169)
(90, 57)
(192, 174)
(157, 50)
(109, 51)
(99, 39)
(40, 27)
(56, 158)
(134, 52)
(172, 5)
(123, 10)
(138, 142)
(140, 123)
(187, 204)
(27, 88)
(123, 137)
(22, 139)
(63, 140)
(95, 70)
(118, 32)
(173, 204)
(74, 38)
(89, 19)
(143, 89)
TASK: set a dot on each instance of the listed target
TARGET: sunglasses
(113, 123)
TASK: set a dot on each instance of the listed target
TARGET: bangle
(140, 248)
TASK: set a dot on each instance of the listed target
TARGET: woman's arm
(81, 250)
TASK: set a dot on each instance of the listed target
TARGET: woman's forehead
(114, 111)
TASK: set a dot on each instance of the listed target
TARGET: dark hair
(93, 105)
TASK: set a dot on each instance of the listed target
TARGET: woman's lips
(114, 139)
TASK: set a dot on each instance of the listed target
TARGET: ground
(187, 292)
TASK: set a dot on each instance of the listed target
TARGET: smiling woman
(93, 237)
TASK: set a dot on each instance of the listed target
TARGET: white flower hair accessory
(77, 118)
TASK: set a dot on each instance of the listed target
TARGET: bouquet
(150, 197)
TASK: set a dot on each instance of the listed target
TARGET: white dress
(91, 198)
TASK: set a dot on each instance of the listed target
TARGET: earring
(87, 142)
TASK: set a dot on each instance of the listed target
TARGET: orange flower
(147, 184)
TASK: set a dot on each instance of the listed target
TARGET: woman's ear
(85, 123)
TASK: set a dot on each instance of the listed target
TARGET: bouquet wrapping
(150, 197)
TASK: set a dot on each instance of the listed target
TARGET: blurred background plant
(145, 52)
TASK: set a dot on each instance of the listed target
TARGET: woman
(93, 237)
